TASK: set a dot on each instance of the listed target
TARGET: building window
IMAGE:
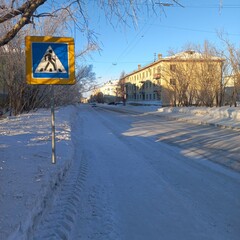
(173, 81)
(173, 67)
(210, 67)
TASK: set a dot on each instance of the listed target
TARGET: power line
(211, 6)
(178, 5)
(132, 44)
(191, 29)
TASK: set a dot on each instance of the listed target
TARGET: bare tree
(121, 87)
(179, 77)
(232, 75)
(195, 76)
(71, 94)
(100, 97)
(12, 73)
(208, 84)
(25, 12)
(86, 78)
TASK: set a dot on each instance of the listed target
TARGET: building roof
(192, 55)
(182, 56)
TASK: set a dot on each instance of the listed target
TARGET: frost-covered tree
(15, 14)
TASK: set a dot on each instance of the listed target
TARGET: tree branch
(27, 11)
(14, 12)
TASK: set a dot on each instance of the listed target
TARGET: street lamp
(165, 4)
(169, 4)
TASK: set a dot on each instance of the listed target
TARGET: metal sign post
(50, 60)
(53, 126)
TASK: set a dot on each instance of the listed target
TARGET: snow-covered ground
(27, 177)
(226, 117)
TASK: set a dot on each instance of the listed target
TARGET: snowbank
(28, 179)
(226, 117)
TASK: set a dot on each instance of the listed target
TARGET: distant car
(93, 104)
(119, 103)
(111, 103)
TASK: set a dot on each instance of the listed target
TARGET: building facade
(108, 92)
(185, 78)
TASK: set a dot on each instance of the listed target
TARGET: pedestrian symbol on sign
(51, 59)
(50, 63)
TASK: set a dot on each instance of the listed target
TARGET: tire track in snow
(58, 222)
(97, 218)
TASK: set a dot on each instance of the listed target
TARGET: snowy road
(145, 178)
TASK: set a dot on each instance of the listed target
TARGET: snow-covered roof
(184, 56)
(191, 54)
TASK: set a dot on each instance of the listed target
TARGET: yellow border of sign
(29, 74)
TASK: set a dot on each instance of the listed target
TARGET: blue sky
(123, 48)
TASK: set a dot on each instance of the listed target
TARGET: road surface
(142, 177)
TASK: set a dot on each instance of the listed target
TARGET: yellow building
(182, 79)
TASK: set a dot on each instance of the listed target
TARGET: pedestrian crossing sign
(50, 60)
